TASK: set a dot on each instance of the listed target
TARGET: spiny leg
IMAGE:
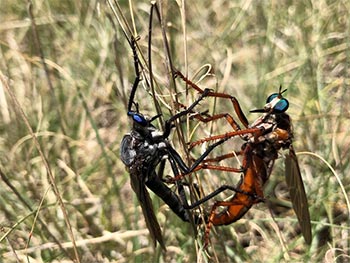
(226, 136)
(234, 101)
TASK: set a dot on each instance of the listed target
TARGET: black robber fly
(143, 149)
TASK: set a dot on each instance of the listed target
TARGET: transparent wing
(297, 194)
(138, 185)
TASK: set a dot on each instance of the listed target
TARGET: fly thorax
(148, 149)
(136, 135)
(156, 135)
(272, 137)
(162, 145)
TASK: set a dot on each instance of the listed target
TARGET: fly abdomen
(168, 196)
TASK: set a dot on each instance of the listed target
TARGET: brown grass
(72, 83)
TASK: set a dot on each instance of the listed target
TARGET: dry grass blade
(44, 160)
(243, 48)
(339, 180)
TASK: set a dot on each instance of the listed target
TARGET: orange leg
(226, 136)
(216, 159)
(227, 116)
(234, 101)
(223, 157)
(206, 166)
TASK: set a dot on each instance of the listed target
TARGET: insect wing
(297, 194)
(139, 188)
(127, 150)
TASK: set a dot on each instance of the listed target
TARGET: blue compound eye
(271, 97)
(140, 119)
(281, 106)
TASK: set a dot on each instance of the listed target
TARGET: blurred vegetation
(69, 68)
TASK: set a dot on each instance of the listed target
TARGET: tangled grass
(66, 71)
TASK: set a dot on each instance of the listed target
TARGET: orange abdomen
(240, 203)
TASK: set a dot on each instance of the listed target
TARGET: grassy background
(76, 108)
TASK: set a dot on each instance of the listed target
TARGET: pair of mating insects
(145, 148)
